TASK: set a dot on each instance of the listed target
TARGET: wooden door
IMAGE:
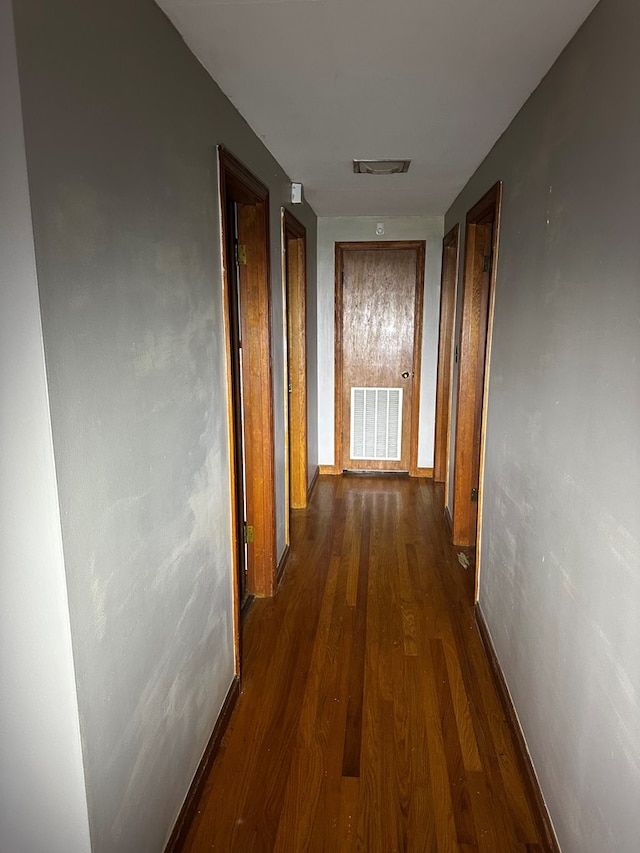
(246, 305)
(379, 302)
(477, 300)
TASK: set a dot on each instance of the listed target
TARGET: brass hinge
(248, 533)
(241, 255)
(474, 496)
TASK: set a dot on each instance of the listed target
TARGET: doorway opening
(378, 331)
(294, 242)
(480, 260)
(450, 246)
(247, 306)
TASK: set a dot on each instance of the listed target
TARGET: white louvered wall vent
(376, 423)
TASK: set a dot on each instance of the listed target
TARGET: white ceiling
(325, 81)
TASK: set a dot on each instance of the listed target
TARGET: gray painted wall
(363, 228)
(560, 561)
(42, 798)
(121, 124)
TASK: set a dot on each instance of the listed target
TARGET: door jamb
(340, 248)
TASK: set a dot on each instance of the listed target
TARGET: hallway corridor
(368, 719)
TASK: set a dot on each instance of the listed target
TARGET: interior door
(381, 298)
(481, 240)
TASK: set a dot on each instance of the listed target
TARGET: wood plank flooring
(368, 719)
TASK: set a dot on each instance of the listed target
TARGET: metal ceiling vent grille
(376, 423)
(381, 167)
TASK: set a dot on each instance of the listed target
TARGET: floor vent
(376, 423)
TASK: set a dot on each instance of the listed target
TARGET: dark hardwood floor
(368, 719)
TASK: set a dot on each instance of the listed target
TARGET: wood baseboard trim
(282, 564)
(542, 817)
(331, 470)
(421, 472)
(188, 810)
(312, 484)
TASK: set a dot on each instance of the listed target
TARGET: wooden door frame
(446, 334)
(294, 292)
(380, 245)
(238, 184)
(472, 396)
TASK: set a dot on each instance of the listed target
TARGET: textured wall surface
(121, 127)
(332, 230)
(560, 562)
(40, 750)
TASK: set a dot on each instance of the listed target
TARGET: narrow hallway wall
(40, 750)
(121, 125)
(560, 554)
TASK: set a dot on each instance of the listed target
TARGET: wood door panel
(482, 228)
(378, 332)
(239, 188)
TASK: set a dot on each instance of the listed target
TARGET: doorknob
(405, 375)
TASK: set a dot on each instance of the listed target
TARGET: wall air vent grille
(376, 423)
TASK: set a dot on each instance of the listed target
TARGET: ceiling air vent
(380, 167)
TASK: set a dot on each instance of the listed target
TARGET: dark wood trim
(448, 520)
(187, 812)
(294, 226)
(237, 184)
(450, 252)
(282, 564)
(330, 470)
(481, 237)
(313, 482)
(420, 247)
(543, 819)
(247, 187)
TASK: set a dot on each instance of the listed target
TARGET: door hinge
(248, 533)
(474, 496)
(241, 255)
(486, 263)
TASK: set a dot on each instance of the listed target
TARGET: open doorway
(481, 244)
(247, 306)
(445, 357)
(294, 243)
